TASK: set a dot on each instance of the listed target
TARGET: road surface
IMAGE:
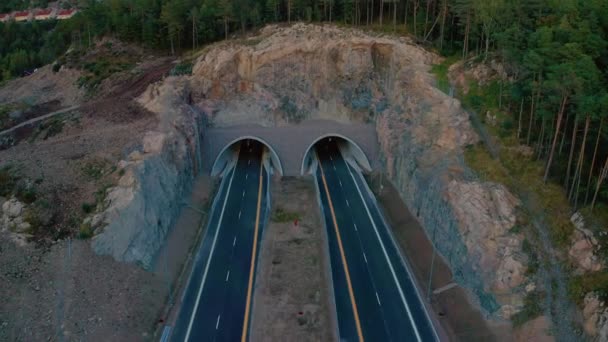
(375, 297)
(216, 304)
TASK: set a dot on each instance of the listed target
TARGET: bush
(532, 308)
(85, 231)
(579, 286)
(281, 215)
(88, 208)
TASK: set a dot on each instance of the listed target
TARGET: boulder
(12, 208)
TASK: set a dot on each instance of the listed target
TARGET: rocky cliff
(287, 75)
(155, 178)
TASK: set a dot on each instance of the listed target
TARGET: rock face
(149, 195)
(595, 315)
(287, 75)
(12, 221)
(582, 249)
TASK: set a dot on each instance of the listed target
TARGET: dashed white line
(334, 165)
(243, 193)
(227, 275)
(249, 162)
(340, 183)
(239, 214)
(364, 257)
(330, 158)
(217, 323)
(378, 299)
(234, 241)
(200, 289)
(246, 175)
(355, 226)
(390, 264)
(347, 204)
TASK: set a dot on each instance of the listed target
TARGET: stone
(153, 142)
(12, 208)
(23, 227)
(582, 251)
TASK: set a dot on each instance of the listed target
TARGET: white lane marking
(243, 193)
(239, 214)
(347, 204)
(246, 175)
(340, 183)
(390, 264)
(355, 226)
(200, 289)
(234, 241)
(378, 299)
(217, 323)
(365, 257)
(249, 162)
(330, 158)
(227, 275)
(334, 165)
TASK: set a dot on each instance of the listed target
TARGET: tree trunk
(600, 180)
(407, 3)
(541, 139)
(572, 147)
(597, 144)
(531, 120)
(521, 110)
(561, 144)
(579, 164)
(381, 11)
(560, 115)
(289, 12)
(395, 15)
(226, 27)
(467, 28)
(444, 12)
(415, 17)
(171, 41)
(426, 17)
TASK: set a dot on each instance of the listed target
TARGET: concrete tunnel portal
(348, 148)
(229, 152)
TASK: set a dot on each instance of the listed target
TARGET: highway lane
(375, 296)
(216, 304)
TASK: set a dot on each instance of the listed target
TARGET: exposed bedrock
(288, 75)
(156, 179)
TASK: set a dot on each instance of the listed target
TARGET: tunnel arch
(220, 159)
(355, 150)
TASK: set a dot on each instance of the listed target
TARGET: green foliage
(85, 231)
(95, 169)
(8, 181)
(441, 73)
(182, 69)
(281, 215)
(532, 308)
(88, 208)
(580, 285)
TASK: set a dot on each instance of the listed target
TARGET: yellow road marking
(252, 267)
(350, 287)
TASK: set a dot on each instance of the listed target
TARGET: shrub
(88, 208)
(532, 308)
(85, 231)
(281, 215)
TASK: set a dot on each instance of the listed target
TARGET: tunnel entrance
(228, 155)
(349, 149)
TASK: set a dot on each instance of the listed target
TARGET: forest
(554, 52)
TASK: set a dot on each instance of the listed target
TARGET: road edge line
(347, 273)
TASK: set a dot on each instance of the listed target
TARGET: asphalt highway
(216, 304)
(375, 297)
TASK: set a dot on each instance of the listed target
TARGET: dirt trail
(291, 300)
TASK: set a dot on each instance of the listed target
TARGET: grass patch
(579, 286)
(100, 69)
(531, 309)
(181, 69)
(95, 169)
(441, 73)
(281, 215)
(8, 181)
